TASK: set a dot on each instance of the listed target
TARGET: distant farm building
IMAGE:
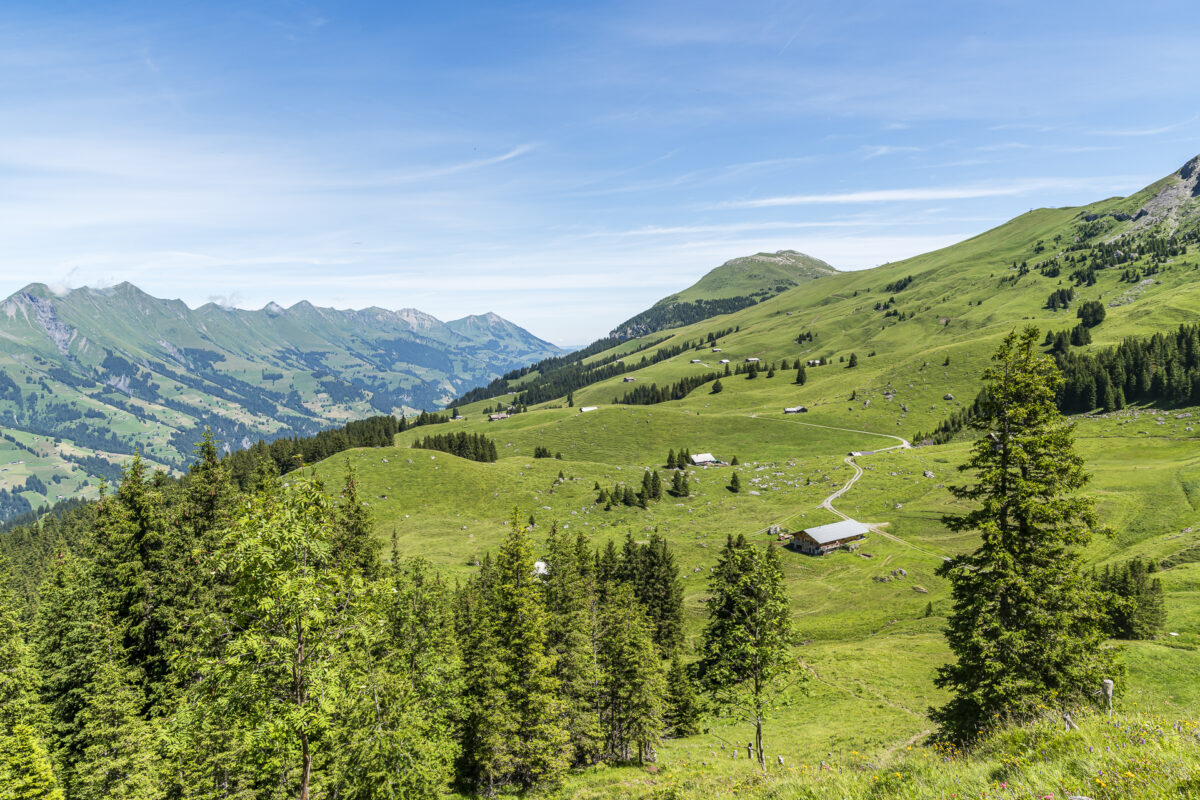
(716, 349)
(825, 538)
(724, 360)
(813, 362)
(704, 460)
(582, 409)
(628, 379)
(796, 410)
(696, 361)
(495, 417)
(752, 360)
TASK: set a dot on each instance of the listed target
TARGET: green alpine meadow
(919, 531)
(612, 400)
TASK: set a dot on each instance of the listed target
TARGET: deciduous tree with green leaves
(1026, 628)
(276, 680)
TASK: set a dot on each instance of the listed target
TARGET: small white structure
(724, 361)
(825, 538)
(696, 361)
(752, 360)
(496, 417)
(585, 409)
(716, 349)
(814, 362)
(628, 379)
(704, 460)
(796, 410)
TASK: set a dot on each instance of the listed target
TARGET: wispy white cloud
(876, 151)
(1154, 131)
(923, 194)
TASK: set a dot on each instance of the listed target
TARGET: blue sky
(563, 164)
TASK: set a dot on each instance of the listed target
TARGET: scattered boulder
(920, 589)
(947, 396)
(928, 474)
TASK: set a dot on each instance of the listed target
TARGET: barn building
(825, 538)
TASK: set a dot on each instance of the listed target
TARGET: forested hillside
(90, 377)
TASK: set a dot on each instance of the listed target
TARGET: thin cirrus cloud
(922, 194)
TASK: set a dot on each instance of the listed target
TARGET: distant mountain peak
(273, 308)
(737, 283)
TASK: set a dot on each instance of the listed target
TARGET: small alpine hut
(704, 460)
(825, 538)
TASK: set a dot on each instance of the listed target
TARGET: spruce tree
(354, 544)
(656, 487)
(717, 387)
(119, 758)
(735, 483)
(682, 717)
(801, 375)
(393, 733)
(571, 636)
(660, 591)
(538, 750)
(1025, 629)
(135, 562)
(25, 769)
(487, 722)
(745, 651)
(18, 676)
(632, 683)
(73, 633)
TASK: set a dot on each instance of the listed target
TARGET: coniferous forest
(189, 638)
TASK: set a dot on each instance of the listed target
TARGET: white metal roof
(702, 458)
(824, 534)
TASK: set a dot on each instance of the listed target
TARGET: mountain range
(92, 375)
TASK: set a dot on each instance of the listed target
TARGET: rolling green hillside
(735, 284)
(921, 332)
(96, 374)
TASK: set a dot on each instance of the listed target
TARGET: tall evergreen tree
(354, 542)
(119, 758)
(521, 739)
(572, 606)
(134, 561)
(25, 769)
(632, 683)
(1025, 630)
(394, 733)
(682, 716)
(73, 635)
(745, 651)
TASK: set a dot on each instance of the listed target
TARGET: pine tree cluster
(147, 642)
(473, 446)
(1133, 603)
(649, 395)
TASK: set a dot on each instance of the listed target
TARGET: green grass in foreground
(1123, 757)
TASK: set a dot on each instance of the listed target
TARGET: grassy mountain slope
(735, 284)
(97, 374)
(872, 637)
